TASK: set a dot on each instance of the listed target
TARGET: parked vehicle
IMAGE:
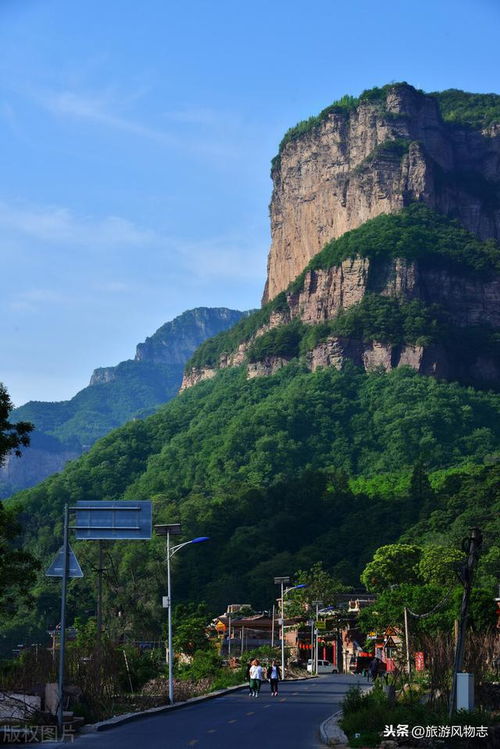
(324, 667)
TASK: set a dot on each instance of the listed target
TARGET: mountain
(132, 389)
(385, 217)
(298, 430)
(376, 154)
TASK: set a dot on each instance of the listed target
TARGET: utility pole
(282, 581)
(473, 544)
(313, 659)
(407, 641)
(317, 604)
(100, 571)
(62, 636)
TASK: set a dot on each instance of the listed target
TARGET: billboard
(121, 519)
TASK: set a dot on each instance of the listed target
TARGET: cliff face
(377, 158)
(469, 300)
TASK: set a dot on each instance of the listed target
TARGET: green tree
(439, 565)
(12, 436)
(321, 586)
(420, 494)
(189, 624)
(392, 565)
(17, 567)
(440, 609)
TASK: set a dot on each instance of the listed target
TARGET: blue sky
(135, 143)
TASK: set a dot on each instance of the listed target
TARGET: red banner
(419, 661)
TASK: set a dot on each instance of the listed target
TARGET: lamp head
(199, 539)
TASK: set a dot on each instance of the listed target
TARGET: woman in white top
(256, 677)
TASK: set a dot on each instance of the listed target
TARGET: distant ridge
(132, 389)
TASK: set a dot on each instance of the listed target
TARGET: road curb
(118, 720)
(331, 733)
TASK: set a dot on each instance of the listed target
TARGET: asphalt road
(289, 721)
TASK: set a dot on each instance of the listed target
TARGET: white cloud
(60, 225)
(100, 109)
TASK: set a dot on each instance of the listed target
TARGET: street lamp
(317, 604)
(281, 582)
(173, 529)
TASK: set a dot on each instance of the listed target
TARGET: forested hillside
(262, 467)
(357, 407)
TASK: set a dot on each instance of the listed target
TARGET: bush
(206, 664)
(367, 715)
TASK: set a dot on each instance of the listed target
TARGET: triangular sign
(56, 569)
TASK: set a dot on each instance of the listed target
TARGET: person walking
(274, 676)
(248, 678)
(256, 677)
(374, 668)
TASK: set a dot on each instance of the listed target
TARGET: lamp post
(281, 582)
(316, 645)
(172, 529)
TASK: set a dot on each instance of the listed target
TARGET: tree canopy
(12, 436)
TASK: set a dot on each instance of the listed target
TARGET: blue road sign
(56, 569)
(123, 519)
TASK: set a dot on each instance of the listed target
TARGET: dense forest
(279, 472)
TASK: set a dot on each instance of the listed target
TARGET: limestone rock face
(341, 173)
(194, 376)
(267, 366)
(350, 165)
(468, 299)
(103, 375)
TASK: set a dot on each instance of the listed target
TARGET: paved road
(289, 721)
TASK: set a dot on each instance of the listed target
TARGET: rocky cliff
(375, 155)
(393, 196)
(175, 341)
(407, 289)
